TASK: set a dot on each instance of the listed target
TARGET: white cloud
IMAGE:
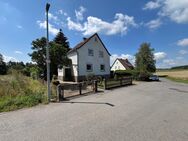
(159, 55)
(52, 29)
(19, 26)
(52, 17)
(74, 26)
(151, 5)
(169, 62)
(61, 12)
(176, 10)
(153, 24)
(131, 58)
(183, 52)
(120, 24)
(79, 13)
(18, 52)
(9, 58)
(183, 42)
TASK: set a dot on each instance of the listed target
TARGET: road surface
(148, 111)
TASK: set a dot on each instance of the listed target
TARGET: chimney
(84, 38)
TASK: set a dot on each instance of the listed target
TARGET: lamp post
(47, 54)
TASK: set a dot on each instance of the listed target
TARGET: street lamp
(47, 54)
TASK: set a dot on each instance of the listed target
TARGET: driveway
(148, 111)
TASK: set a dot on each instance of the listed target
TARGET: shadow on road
(103, 103)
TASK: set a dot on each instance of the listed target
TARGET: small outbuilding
(121, 64)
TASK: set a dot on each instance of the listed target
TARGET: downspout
(77, 63)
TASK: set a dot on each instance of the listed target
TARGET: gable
(85, 42)
(117, 64)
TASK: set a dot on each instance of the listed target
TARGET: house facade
(121, 64)
(88, 57)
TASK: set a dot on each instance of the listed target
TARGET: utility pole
(47, 54)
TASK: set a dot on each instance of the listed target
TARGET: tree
(3, 67)
(62, 40)
(39, 54)
(19, 66)
(145, 62)
(58, 52)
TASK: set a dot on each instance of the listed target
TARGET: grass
(18, 91)
(175, 75)
(178, 80)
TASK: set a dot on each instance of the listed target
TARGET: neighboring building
(88, 57)
(121, 64)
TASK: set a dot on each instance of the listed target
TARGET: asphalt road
(150, 111)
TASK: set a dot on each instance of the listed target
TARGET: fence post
(121, 81)
(95, 86)
(58, 92)
(105, 84)
(80, 88)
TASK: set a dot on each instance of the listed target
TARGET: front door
(68, 76)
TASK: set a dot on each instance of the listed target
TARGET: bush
(90, 77)
(124, 73)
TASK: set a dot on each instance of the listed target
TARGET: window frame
(103, 69)
(89, 53)
(91, 67)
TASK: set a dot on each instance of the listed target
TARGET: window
(102, 67)
(90, 52)
(101, 55)
(95, 39)
(89, 67)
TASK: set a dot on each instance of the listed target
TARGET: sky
(122, 25)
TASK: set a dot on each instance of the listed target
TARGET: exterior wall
(74, 57)
(83, 77)
(95, 60)
(60, 74)
(117, 66)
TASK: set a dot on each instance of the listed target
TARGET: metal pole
(47, 54)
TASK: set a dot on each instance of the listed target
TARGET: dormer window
(90, 52)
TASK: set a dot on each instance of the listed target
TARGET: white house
(121, 64)
(88, 57)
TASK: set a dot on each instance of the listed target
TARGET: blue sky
(122, 25)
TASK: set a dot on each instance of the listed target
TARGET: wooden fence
(112, 83)
(69, 90)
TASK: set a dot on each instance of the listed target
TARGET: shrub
(90, 76)
(124, 73)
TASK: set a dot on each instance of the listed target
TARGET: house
(121, 64)
(89, 57)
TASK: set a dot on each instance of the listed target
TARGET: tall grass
(18, 91)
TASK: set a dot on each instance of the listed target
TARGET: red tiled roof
(126, 63)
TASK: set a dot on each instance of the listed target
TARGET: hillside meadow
(19, 91)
